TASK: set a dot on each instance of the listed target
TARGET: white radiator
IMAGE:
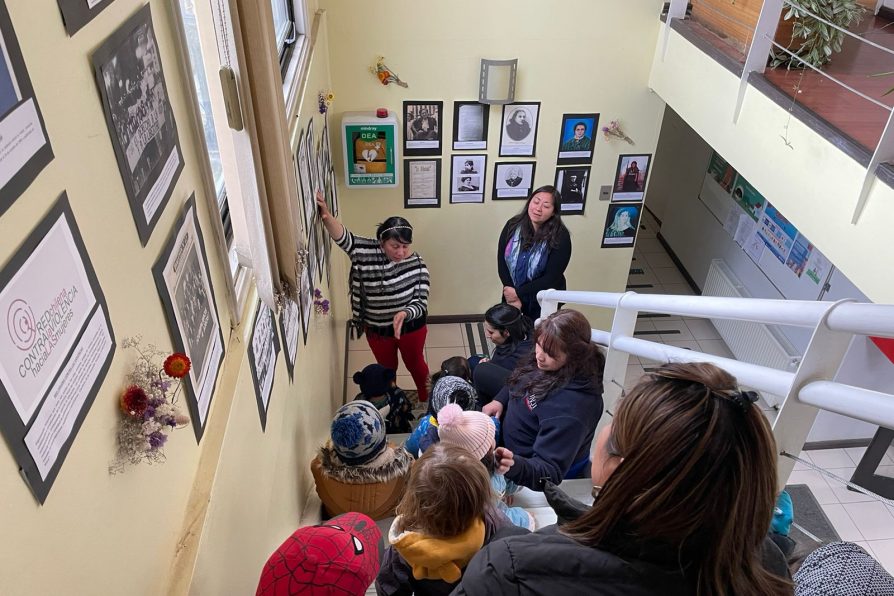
(757, 343)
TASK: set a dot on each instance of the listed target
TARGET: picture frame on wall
(470, 121)
(423, 127)
(621, 225)
(77, 13)
(518, 129)
(630, 177)
(573, 183)
(263, 352)
(422, 183)
(513, 179)
(577, 138)
(467, 178)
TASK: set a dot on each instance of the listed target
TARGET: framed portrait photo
(513, 179)
(630, 178)
(263, 350)
(573, 183)
(422, 183)
(621, 223)
(470, 120)
(467, 174)
(518, 130)
(576, 138)
(422, 127)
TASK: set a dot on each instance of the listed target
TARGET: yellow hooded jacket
(438, 558)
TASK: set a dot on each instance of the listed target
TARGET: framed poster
(24, 146)
(721, 171)
(748, 198)
(290, 330)
(306, 297)
(422, 183)
(630, 177)
(513, 179)
(621, 223)
(56, 347)
(77, 13)
(263, 350)
(572, 184)
(576, 138)
(422, 127)
(470, 120)
(139, 117)
(467, 177)
(518, 132)
(184, 286)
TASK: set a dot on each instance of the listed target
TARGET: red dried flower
(134, 401)
(177, 365)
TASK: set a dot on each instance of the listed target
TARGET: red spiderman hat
(340, 556)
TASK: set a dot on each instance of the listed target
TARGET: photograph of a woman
(513, 179)
(620, 225)
(630, 178)
(519, 130)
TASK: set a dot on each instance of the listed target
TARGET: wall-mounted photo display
(305, 184)
(184, 286)
(467, 175)
(518, 136)
(422, 127)
(24, 146)
(306, 295)
(576, 138)
(422, 183)
(77, 13)
(139, 117)
(721, 171)
(513, 179)
(573, 183)
(310, 150)
(56, 347)
(290, 330)
(630, 177)
(263, 350)
(470, 120)
(621, 223)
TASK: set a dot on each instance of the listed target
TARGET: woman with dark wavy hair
(684, 480)
(534, 251)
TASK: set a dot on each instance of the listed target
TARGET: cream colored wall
(813, 183)
(99, 534)
(574, 56)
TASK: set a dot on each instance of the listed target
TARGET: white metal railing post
(821, 361)
(547, 305)
(623, 325)
(675, 10)
(884, 152)
(759, 52)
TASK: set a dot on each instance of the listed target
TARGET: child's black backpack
(399, 419)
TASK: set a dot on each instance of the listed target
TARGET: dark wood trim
(885, 13)
(679, 265)
(836, 444)
(447, 319)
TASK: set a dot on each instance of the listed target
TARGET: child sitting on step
(378, 386)
(447, 389)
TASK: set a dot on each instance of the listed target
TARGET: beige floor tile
(872, 519)
(435, 356)
(357, 359)
(702, 329)
(682, 289)
(445, 336)
(669, 275)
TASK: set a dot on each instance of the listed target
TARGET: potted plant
(812, 40)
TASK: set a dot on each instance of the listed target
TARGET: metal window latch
(231, 97)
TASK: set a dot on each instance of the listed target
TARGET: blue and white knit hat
(358, 433)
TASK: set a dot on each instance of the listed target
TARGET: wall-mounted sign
(371, 150)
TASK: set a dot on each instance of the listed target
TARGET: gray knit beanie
(358, 432)
(451, 390)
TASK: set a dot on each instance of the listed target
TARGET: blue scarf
(533, 260)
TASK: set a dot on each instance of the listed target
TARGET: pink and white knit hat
(473, 431)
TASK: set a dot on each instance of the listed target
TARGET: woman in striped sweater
(389, 292)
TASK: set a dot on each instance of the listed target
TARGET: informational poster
(799, 255)
(422, 183)
(744, 229)
(630, 177)
(184, 285)
(470, 120)
(572, 184)
(55, 348)
(467, 177)
(422, 127)
(77, 13)
(518, 136)
(290, 330)
(721, 171)
(139, 117)
(818, 267)
(371, 154)
(263, 351)
(576, 138)
(513, 179)
(747, 197)
(24, 146)
(777, 232)
(621, 223)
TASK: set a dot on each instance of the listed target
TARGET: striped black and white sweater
(381, 288)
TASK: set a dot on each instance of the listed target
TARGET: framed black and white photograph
(422, 183)
(290, 331)
(56, 347)
(24, 145)
(77, 13)
(513, 179)
(518, 131)
(310, 149)
(470, 125)
(263, 351)
(467, 178)
(139, 117)
(572, 184)
(184, 285)
(630, 177)
(422, 127)
(621, 223)
(576, 138)
(306, 297)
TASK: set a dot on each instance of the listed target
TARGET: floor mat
(809, 515)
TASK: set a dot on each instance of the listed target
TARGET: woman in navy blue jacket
(512, 334)
(552, 403)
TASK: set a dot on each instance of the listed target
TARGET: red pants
(411, 346)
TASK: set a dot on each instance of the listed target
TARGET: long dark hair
(698, 475)
(455, 366)
(551, 229)
(395, 228)
(505, 317)
(565, 332)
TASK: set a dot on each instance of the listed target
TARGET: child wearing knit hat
(378, 386)
(475, 432)
(448, 389)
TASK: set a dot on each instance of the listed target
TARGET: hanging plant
(813, 41)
